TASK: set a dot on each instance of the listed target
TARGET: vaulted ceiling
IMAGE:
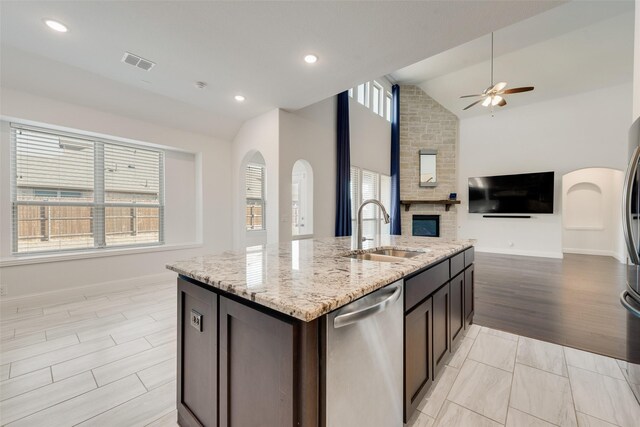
(249, 48)
(576, 47)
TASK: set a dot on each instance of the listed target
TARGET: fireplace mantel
(446, 202)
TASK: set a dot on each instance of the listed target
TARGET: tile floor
(107, 358)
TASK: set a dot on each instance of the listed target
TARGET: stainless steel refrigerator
(630, 297)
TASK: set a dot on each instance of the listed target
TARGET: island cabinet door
(469, 284)
(457, 308)
(418, 367)
(441, 328)
(197, 355)
(256, 368)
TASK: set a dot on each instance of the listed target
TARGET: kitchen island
(255, 343)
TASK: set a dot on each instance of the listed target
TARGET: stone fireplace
(425, 225)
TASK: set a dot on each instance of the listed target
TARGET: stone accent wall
(425, 124)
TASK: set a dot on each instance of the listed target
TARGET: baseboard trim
(598, 252)
(520, 252)
(103, 287)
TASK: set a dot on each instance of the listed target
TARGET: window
(389, 103)
(369, 185)
(374, 96)
(377, 99)
(363, 94)
(255, 208)
(74, 192)
(302, 199)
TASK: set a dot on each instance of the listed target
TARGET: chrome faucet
(385, 216)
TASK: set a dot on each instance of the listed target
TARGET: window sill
(69, 256)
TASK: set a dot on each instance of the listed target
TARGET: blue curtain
(343, 193)
(395, 161)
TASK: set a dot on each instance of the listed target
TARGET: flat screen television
(526, 193)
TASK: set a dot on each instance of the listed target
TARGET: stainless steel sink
(384, 255)
(370, 256)
(399, 253)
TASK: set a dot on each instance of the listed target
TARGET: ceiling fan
(493, 95)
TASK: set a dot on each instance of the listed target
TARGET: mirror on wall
(428, 176)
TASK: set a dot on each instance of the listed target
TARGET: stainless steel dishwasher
(363, 369)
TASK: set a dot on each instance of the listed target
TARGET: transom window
(372, 95)
(71, 192)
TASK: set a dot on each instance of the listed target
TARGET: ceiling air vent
(137, 61)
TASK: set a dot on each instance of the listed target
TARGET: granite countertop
(308, 278)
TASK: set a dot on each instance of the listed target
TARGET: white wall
(198, 198)
(310, 134)
(258, 134)
(591, 213)
(561, 135)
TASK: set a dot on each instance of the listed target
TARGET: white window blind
(354, 181)
(369, 185)
(71, 192)
(255, 207)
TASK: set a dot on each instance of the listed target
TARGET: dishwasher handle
(354, 316)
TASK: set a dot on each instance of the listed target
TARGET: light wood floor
(100, 358)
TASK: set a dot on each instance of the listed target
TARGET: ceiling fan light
(499, 86)
(496, 100)
(486, 101)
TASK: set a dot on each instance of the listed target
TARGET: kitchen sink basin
(370, 256)
(384, 255)
(398, 253)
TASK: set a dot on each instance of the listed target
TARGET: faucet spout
(385, 217)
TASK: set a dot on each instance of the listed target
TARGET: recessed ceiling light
(56, 26)
(239, 98)
(310, 59)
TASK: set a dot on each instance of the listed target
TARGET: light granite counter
(306, 279)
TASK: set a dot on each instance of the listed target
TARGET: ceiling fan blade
(502, 103)
(470, 96)
(499, 86)
(471, 105)
(517, 90)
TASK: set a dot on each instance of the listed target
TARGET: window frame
(98, 205)
(379, 100)
(388, 106)
(262, 200)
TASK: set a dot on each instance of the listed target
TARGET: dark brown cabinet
(418, 353)
(456, 288)
(438, 308)
(197, 355)
(260, 376)
(441, 328)
(469, 278)
(241, 365)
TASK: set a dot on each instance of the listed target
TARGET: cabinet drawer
(468, 257)
(424, 284)
(457, 264)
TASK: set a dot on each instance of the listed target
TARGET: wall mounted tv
(526, 193)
